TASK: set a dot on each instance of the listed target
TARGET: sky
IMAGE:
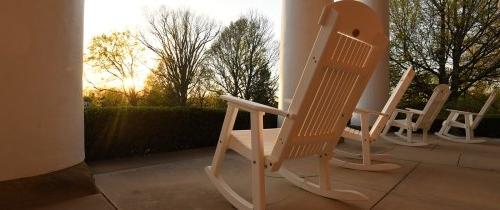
(106, 16)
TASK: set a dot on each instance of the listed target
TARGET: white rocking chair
(366, 135)
(471, 121)
(424, 121)
(347, 48)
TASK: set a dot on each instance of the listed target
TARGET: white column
(298, 31)
(377, 92)
(41, 113)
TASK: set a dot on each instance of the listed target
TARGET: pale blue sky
(105, 16)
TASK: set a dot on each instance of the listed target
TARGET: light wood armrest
(367, 111)
(252, 106)
(415, 111)
(461, 112)
(408, 113)
(403, 111)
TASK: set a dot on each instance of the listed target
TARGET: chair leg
(224, 139)
(409, 135)
(445, 128)
(454, 118)
(386, 129)
(324, 173)
(425, 135)
(401, 130)
(469, 133)
(444, 131)
(365, 139)
(365, 148)
(213, 171)
(389, 124)
(258, 176)
(258, 187)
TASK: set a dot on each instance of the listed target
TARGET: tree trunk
(441, 52)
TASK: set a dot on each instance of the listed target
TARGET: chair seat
(351, 133)
(402, 124)
(457, 124)
(242, 141)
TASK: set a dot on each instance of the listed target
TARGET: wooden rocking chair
(471, 121)
(347, 48)
(366, 135)
(424, 121)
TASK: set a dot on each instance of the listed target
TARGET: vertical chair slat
(336, 58)
(335, 101)
(320, 106)
(351, 53)
(338, 100)
(317, 104)
(333, 83)
(305, 128)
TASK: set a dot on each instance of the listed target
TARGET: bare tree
(117, 54)
(451, 42)
(242, 57)
(179, 38)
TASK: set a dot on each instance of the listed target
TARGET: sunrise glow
(106, 16)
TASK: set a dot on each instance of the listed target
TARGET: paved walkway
(442, 176)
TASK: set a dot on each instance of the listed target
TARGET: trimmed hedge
(133, 131)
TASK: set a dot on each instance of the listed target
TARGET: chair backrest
(433, 106)
(347, 48)
(393, 102)
(485, 108)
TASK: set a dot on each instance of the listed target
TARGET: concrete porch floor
(441, 176)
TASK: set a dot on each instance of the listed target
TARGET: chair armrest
(403, 111)
(415, 111)
(252, 106)
(461, 112)
(367, 111)
(409, 114)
